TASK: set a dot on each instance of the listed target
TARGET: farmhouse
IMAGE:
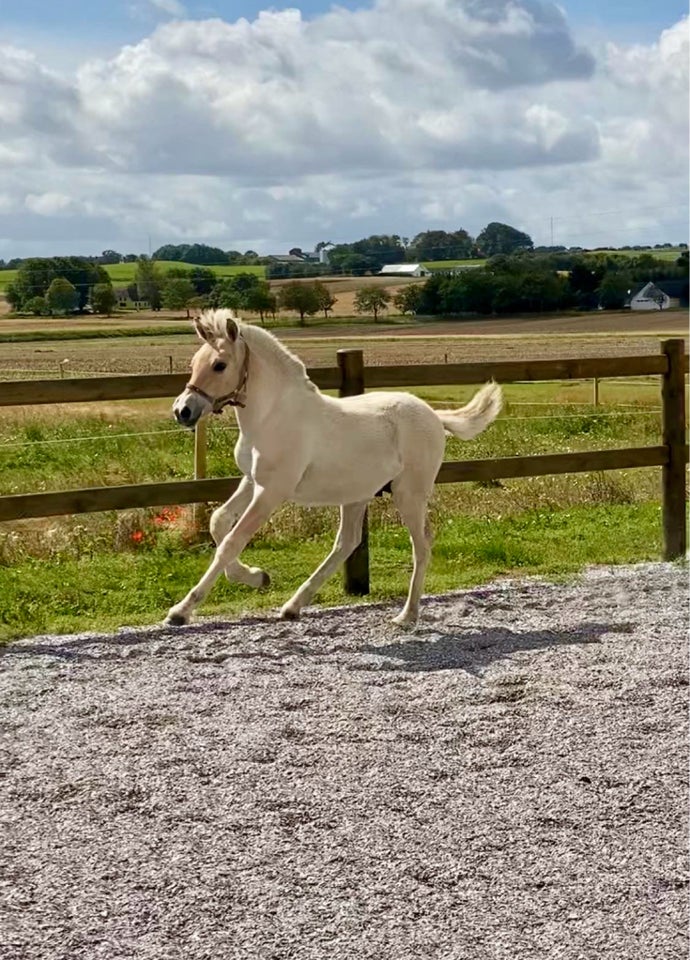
(404, 270)
(659, 295)
(290, 258)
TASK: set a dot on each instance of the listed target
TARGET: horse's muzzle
(186, 417)
(188, 409)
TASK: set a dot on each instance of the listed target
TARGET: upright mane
(259, 341)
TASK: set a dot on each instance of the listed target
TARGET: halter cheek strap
(236, 398)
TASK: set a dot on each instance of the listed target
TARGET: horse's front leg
(264, 502)
(222, 521)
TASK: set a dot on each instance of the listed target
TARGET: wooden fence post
(200, 447)
(351, 366)
(673, 472)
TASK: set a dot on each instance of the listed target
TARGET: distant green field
(667, 254)
(124, 272)
(449, 264)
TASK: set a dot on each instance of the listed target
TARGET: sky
(133, 123)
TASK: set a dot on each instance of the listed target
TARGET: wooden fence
(352, 377)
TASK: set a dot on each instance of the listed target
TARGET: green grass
(122, 273)
(672, 254)
(448, 264)
(658, 254)
(101, 589)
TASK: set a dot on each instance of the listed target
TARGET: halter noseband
(232, 399)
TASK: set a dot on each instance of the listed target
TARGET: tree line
(522, 282)
(553, 282)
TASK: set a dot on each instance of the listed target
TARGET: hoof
(405, 623)
(287, 613)
(265, 581)
(175, 620)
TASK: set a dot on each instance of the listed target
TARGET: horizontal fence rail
(25, 506)
(162, 385)
(351, 377)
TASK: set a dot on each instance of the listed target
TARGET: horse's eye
(219, 366)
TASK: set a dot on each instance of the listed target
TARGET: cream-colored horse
(298, 445)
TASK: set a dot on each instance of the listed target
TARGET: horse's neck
(275, 379)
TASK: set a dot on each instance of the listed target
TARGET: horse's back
(362, 443)
(411, 419)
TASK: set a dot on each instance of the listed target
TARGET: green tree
(326, 299)
(585, 278)
(13, 295)
(502, 238)
(367, 255)
(197, 304)
(372, 300)
(37, 305)
(62, 296)
(614, 290)
(191, 253)
(231, 292)
(225, 294)
(204, 280)
(33, 278)
(259, 299)
(408, 299)
(441, 245)
(103, 298)
(149, 280)
(301, 297)
(110, 256)
(176, 293)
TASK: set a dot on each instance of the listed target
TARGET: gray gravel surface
(509, 782)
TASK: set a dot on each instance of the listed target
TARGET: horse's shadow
(474, 651)
(424, 650)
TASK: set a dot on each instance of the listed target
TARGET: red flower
(138, 536)
(167, 515)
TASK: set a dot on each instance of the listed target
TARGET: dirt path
(509, 783)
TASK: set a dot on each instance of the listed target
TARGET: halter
(232, 399)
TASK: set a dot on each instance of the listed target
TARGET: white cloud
(48, 204)
(282, 131)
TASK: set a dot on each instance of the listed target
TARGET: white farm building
(404, 270)
(650, 297)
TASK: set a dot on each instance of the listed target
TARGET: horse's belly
(326, 485)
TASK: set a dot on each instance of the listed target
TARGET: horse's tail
(476, 416)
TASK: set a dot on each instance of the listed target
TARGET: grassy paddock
(103, 570)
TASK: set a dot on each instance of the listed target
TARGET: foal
(298, 445)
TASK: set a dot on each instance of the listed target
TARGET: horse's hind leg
(223, 520)
(412, 507)
(348, 537)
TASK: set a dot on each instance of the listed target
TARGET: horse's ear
(232, 329)
(200, 329)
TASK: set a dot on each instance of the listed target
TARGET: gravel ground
(509, 782)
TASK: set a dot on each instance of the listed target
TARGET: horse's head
(219, 369)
